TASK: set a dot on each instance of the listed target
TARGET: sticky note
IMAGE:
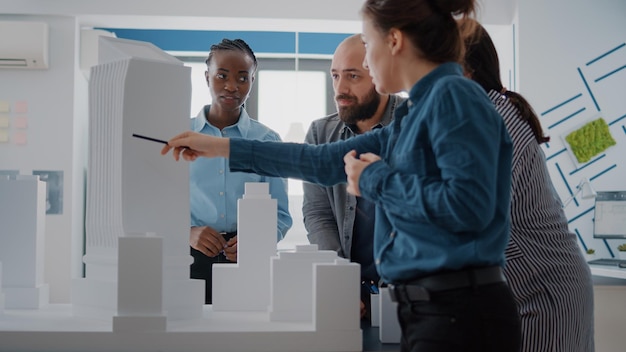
(4, 136)
(21, 107)
(19, 138)
(4, 121)
(4, 106)
(21, 122)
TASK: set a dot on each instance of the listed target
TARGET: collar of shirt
(242, 126)
(420, 88)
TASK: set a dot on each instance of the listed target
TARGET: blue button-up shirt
(442, 189)
(214, 189)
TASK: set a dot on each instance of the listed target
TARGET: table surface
(608, 271)
(371, 340)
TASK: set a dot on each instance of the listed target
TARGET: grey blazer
(329, 212)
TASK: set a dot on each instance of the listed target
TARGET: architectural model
(136, 89)
(137, 295)
(22, 225)
(312, 302)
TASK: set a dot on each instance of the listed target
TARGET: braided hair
(227, 44)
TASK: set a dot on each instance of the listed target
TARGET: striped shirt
(545, 268)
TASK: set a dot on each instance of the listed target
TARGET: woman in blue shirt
(214, 189)
(439, 174)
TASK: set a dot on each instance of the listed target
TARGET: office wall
(555, 42)
(572, 68)
(55, 103)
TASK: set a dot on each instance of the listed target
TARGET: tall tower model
(136, 88)
(256, 244)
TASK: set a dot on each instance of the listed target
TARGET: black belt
(420, 289)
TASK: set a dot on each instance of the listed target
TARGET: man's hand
(230, 251)
(363, 311)
(206, 240)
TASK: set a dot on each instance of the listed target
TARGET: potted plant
(590, 253)
(622, 251)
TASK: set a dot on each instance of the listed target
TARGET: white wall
(57, 100)
(556, 39)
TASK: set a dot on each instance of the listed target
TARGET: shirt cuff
(370, 182)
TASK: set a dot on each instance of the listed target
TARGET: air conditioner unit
(23, 45)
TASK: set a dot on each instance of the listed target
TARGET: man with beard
(334, 219)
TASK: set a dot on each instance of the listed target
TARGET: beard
(364, 110)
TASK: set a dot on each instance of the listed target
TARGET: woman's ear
(206, 77)
(395, 40)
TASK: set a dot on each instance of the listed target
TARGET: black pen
(149, 138)
(154, 140)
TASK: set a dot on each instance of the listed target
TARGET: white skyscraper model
(137, 243)
(292, 295)
(136, 88)
(248, 287)
(140, 285)
(22, 226)
(389, 331)
(311, 299)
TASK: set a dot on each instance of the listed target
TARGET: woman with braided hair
(214, 189)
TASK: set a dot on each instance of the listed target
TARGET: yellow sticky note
(4, 121)
(4, 136)
(5, 106)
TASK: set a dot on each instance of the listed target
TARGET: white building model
(22, 230)
(136, 89)
(137, 295)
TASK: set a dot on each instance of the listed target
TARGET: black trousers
(367, 288)
(202, 268)
(472, 319)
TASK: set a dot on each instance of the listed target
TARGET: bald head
(350, 50)
(355, 94)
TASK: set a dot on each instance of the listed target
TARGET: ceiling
(273, 15)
